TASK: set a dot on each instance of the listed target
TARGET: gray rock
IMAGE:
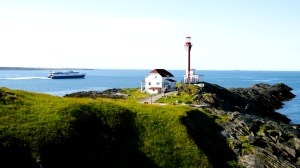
(260, 99)
(109, 93)
(294, 143)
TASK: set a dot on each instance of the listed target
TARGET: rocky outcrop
(6, 97)
(260, 142)
(109, 93)
(259, 136)
(260, 99)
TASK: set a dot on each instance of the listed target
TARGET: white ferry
(65, 74)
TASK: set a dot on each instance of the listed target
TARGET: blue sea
(37, 81)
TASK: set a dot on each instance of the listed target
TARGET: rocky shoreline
(258, 136)
(109, 93)
(260, 99)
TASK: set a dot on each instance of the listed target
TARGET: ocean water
(37, 81)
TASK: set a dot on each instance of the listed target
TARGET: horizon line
(46, 68)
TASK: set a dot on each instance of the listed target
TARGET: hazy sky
(148, 34)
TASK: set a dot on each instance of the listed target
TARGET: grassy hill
(42, 130)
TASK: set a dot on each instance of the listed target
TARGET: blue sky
(135, 34)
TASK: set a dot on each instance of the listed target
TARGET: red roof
(162, 72)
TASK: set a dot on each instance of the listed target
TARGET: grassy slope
(39, 129)
(185, 96)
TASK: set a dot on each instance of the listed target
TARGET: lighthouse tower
(190, 77)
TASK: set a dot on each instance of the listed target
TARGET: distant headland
(39, 68)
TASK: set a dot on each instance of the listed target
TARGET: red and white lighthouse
(190, 76)
(188, 46)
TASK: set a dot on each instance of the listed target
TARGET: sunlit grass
(135, 94)
(39, 119)
(185, 95)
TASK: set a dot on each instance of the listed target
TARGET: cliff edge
(259, 136)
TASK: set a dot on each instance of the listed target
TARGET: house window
(157, 83)
(149, 83)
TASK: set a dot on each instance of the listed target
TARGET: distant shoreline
(40, 68)
(32, 68)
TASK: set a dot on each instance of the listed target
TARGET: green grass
(163, 137)
(39, 129)
(223, 119)
(247, 148)
(186, 95)
(184, 98)
(134, 94)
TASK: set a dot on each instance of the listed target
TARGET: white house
(157, 81)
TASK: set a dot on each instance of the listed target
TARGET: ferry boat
(65, 74)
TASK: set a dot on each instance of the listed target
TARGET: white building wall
(153, 80)
(171, 85)
(194, 78)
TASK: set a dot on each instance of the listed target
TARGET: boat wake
(24, 78)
